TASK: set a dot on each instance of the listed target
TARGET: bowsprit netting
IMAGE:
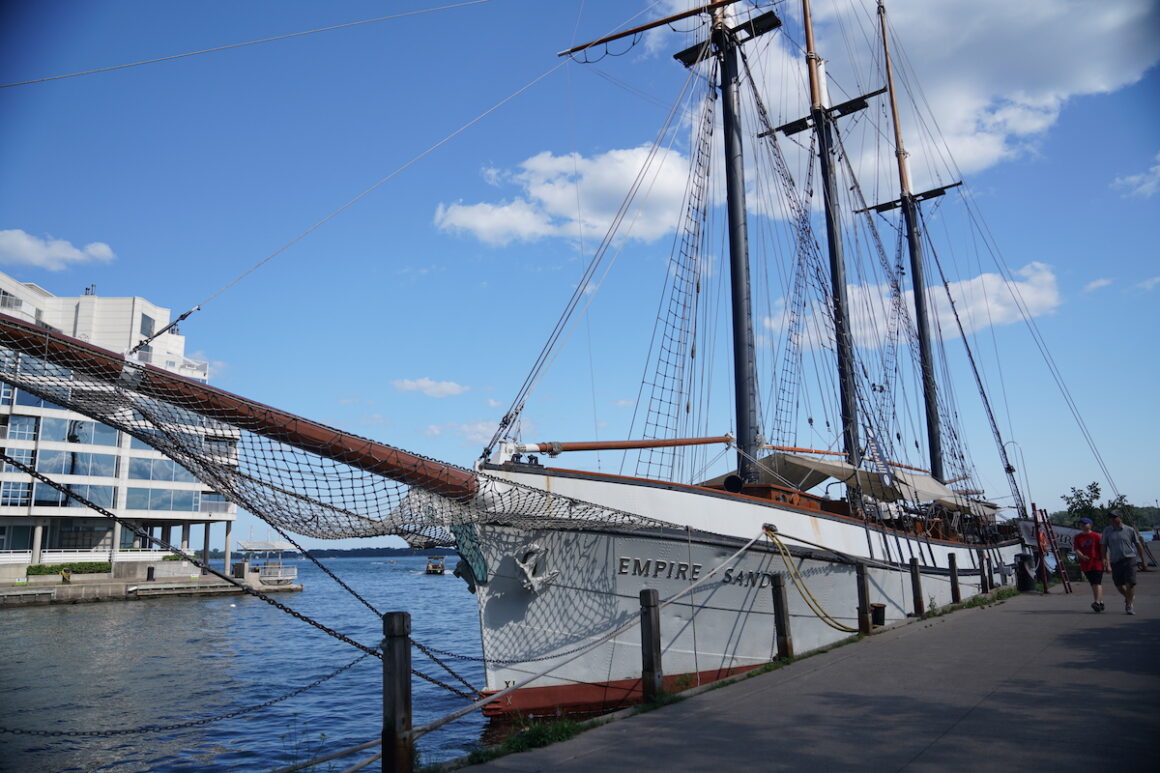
(294, 473)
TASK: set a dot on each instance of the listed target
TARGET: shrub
(76, 567)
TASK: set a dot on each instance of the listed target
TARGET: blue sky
(413, 316)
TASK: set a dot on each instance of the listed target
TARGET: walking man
(1120, 557)
(1091, 561)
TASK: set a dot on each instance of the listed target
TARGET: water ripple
(170, 660)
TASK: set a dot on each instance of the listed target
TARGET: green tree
(1084, 503)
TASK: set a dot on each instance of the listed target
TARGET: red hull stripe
(592, 696)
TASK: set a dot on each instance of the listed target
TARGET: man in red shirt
(1091, 562)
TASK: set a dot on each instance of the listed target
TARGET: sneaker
(1095, 606)
(1128, 609)
(1101, 605)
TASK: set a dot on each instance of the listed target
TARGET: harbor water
(169, 661)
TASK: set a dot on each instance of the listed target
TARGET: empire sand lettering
(657, 567)
(734, 576)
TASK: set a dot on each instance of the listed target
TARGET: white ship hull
(575, 586)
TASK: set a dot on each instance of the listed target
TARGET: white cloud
(1096, 284)
(623, 403)
(997, 73)
(1149, 283)
(994, 73)
(18, 248)
(429, 387)
(493, 403)
(1144, 184)
(472, 432)
(568, 195)
(989, 300)
(984, 301)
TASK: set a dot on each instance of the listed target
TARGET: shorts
(1124, 572)
(1094, 576)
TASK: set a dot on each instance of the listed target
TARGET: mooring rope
(800, 583)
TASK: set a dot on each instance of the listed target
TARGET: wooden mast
(724, 42)
(909, 205)
(824, 129)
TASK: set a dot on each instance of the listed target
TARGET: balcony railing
(15, 556)
(274, 573)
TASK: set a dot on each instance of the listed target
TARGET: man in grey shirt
(1120, 557)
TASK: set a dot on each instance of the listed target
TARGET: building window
(213, 502)
(5, 393)
(9, 301)
(80, 536)
(76, 463)
(16, 538)
(147, 325)
(25, 455)
(14, 493)
(77, 431)
(159, 469)
(102, 496)
(22, 428)
(162, 499)
(26, 398)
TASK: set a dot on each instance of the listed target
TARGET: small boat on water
(436, 565)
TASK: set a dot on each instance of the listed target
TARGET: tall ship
(813, 483)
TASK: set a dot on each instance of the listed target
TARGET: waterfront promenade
(1036, 682)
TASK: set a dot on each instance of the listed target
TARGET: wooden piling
(916, 588)
(398, 746)
(865, 623)
(781, 618)
(650, 645)
(984, 573)
(956, 593)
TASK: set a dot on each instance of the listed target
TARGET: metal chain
(181, 725)
(427, 651)
(326, 570)
(446, 686)
(189, 557)
(478, 659)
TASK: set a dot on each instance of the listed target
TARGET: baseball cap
(1085, 520)
(1115, 514)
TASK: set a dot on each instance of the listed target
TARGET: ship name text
(658, 567)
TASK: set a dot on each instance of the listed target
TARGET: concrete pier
(51, 589)
(1036, 682)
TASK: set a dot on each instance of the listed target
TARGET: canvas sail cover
(806, 472)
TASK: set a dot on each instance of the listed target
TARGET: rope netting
(294, 473)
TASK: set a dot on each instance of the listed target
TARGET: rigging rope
(563, 323)
(240, 45)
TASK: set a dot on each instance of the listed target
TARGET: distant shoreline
(359, 553)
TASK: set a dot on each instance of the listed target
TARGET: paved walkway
(1037, 682)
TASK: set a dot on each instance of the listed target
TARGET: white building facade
(40, 525)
